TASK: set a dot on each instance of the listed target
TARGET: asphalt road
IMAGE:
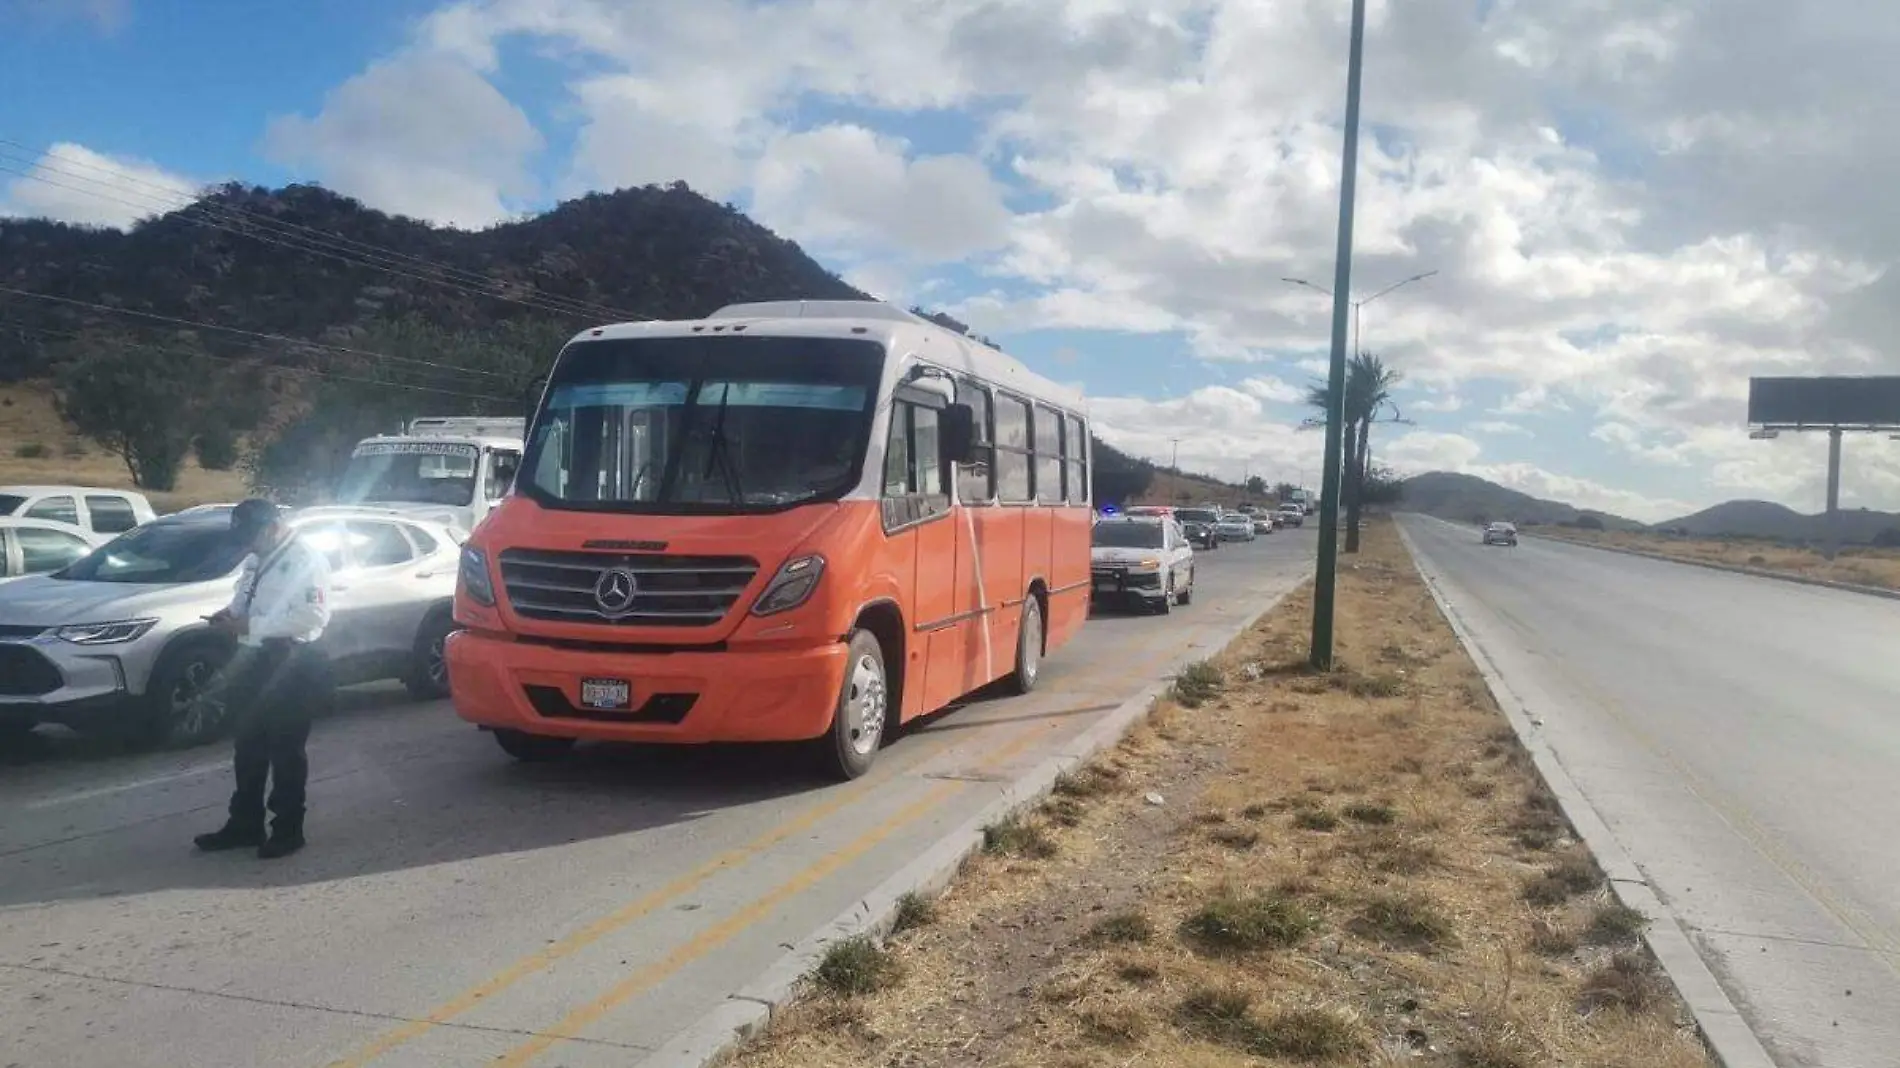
(457, 908)
(1741, 738)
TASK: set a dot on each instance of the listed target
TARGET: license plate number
(608, 694)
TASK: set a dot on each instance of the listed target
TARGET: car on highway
(1234, 527)
(36, 546)
(1141, 560)
(1292, 515)
(1198, 524)
(99, 511)
(1500, 534)
(116, 642)
(1263, 522)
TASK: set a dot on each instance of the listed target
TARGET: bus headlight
(473, 576)
(792, 586)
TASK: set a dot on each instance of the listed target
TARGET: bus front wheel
(864, 707)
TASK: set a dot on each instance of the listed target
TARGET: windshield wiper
(719, 450)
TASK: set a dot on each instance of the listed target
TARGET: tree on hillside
(485, 371)
(142, 402)
(1586, 521)
(1257, 486)
(1118, 478)
(1284, 490)
(1381, 486)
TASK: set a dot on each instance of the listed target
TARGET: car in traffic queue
(1263, 522)
(94, 510)
(1198, 525)
(36, 546)
(1500, 534)
(1291, 515)
(1234, 527)
(1141, 560)
(116, 642)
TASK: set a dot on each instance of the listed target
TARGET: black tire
(1187, 595)
(533, 748)
(861, 719)
(183, 703)
(1027, 671)
(427, 677)
(1166, 604)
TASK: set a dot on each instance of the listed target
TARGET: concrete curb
(1733, 569)
(745, 1014)
(1730, 1040)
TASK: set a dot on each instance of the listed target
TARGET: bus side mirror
(958, 427)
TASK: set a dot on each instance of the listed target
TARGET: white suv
(1142, 560)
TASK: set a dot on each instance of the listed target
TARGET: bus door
(922, 547)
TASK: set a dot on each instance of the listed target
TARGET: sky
(1625, 208)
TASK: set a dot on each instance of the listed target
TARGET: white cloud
(1495, 426)
(75, 184)
(845, 185)
(108, 16)
(421, 134)
(1269, 388)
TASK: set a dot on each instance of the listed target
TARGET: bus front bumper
(780, 695)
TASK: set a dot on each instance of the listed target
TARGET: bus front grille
(618, 589)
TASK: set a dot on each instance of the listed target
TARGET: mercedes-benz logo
(615, 590)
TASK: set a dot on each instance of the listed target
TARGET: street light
(1358, 304)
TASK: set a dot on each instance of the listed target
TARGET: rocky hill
(1469, 499)
(308, 263)
(1776, 522)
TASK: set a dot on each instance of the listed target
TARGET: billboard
(1841, 400)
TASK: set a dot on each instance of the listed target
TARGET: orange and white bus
(798, 520)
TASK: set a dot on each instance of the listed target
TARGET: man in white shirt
(277, 681)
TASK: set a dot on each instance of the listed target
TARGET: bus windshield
(703, 424)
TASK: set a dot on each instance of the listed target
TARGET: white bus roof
(912, 336)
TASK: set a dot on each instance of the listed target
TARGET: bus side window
(916, 485)
(1075, 458)
(1012, 450)
(976, 481)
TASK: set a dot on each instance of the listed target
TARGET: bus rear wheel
(1028, 670)
(848, 749)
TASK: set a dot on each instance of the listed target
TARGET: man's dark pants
(273, 692)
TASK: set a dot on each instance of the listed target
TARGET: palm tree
(1369, 384)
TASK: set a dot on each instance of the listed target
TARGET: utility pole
(1174, 458)
(1321, 654)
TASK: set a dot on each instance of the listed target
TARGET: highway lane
(1741, 739)
(457, 908)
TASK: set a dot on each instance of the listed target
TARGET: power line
(280, 338)
(314, 372)
(246, 223)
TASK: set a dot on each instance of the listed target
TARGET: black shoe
(230, 837)
(281, 844)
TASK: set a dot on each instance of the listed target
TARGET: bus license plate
(606, 694)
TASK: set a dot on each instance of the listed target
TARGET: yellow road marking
(725, 930)
(645, 905)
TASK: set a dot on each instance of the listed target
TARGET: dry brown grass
(1337, 878)
(1859, 564)
(36, 447)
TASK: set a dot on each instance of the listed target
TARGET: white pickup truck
(447, 469)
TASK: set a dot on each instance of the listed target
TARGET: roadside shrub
(854, 967)
(1261, 921)
(31, 450)
(1198, 683)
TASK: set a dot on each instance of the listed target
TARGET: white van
(447, 469)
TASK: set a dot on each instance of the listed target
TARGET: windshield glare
(1128, 535)
(162, 553)
(703, 424)
(410, 473)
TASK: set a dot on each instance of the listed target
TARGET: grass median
(1354, 868)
